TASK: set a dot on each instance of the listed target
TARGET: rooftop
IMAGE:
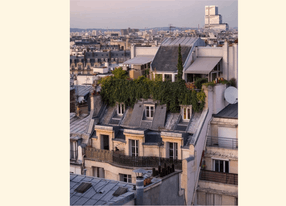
(230, 111)
(166, 58)
(100, 192)
(79, 125)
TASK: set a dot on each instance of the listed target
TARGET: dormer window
(120, 108)
(149, 111)
(186, 112)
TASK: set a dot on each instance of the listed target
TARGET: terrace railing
(222, 142)
(221, 177)
(131, 161)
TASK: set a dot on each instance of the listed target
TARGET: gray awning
(139, 60)
(203, 65)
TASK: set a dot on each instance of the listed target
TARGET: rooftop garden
(119, 88)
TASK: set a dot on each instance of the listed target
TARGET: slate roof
(166, 58)
(100, 193)
(230, 111)
(79, 125)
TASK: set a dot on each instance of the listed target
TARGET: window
(149, 111)
(105, 142)
(98, 172)
(134, 148)
(125, 178)
(73, 150)
(120, 109)
(221, 166)
(186, 113)
(173, 150)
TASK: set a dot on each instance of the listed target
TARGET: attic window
(186, 112)
(149, 111)
(120, 191)
(120, 109)
(83, 187)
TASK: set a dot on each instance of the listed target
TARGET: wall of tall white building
(211, 10)
(215, 19)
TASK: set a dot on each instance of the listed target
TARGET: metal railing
(131, 161)
(223, 142)
(221, 177)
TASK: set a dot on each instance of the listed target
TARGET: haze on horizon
(140, 14)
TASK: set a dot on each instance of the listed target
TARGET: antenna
(231, 95)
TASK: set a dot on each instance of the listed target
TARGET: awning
(203, 65)
(139, 60)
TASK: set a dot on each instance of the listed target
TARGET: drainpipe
(139, 190)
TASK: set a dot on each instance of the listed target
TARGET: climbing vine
(173, 94)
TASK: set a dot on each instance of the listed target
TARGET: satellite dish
(231, 95)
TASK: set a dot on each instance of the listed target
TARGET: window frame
(186, 113)
(149, 113)
(173, 146)
(135, 146)
(126, 177)
(220, 162)
(120, 109)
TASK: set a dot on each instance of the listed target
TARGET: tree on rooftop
(119, 73)
(180, 64)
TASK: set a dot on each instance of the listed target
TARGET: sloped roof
(230, 111)
(100, 193)
(183, 41)
(203, 65)
(166, 58)
(139, 60)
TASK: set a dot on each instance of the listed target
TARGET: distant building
(127, 31)
(213, 20)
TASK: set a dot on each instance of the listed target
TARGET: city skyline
(87, 14)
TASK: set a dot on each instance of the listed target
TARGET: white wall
(139, 51)
(83, 79)
(218, 98)
(75, 169)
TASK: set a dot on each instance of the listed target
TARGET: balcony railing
(124, 160)
(223, 142)
(221, 177)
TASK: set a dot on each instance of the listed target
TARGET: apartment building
(90, 60)
(218, 183)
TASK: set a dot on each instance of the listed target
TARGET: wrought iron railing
(223, 142)
(131, 161)
(221, 177)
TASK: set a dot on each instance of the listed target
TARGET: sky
(117, 14)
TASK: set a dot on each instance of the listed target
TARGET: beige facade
(218, 184)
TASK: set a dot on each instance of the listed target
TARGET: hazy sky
(149, 13)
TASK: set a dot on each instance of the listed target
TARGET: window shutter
(167, 149)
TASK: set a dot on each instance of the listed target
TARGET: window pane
(226, 167)
(147, 111)
(189, 113)
(152, 110)
(221, 166)
(185, 115)
(216, 165)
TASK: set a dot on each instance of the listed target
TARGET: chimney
(139, 190)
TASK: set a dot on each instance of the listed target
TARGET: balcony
(124, 160)
(223, 142)
(221, 177)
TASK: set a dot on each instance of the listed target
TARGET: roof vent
(83, 187)
(120, 191)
